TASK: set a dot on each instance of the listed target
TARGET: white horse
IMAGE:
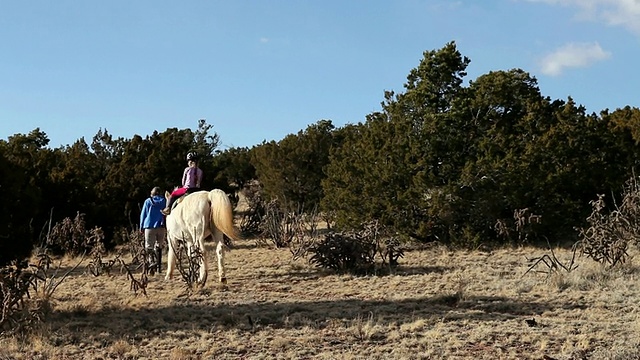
(198, 216)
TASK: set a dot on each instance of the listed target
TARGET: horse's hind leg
(220, 249)
(198, 237)
(171, 260)
(204, 266)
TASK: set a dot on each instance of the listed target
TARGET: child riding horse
(191, 180)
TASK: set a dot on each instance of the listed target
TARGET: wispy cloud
(264, 40)
(573, 55)
(625, 13)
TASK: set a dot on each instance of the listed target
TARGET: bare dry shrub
(139, 261)
(72, 237)
(305, 233)
(272, 223)
(356, 251)
(180, 353)
(388, 247)
(521, 228)
(552, 264)
(134, 241)
(119, 349)
(188, 260)
(141, 258)
(136, 284)
(98, 266)
(609, 234)
(15, 283)
(48, 278)
(253, 215)
(295, 229)
(344, 252)
(364, 329)
(278, 225)
(26, 291)
(329, 218)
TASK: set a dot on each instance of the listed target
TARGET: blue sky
(259, 70)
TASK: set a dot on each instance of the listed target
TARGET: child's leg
(174, 195)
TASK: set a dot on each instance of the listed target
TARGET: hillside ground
(439, 304)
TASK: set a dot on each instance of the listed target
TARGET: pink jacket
(192, 177)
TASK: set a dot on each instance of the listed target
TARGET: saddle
(179, 200)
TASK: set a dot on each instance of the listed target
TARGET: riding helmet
(192, 156)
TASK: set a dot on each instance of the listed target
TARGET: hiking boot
(159, 264)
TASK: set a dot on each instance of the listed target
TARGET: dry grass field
(439, 304)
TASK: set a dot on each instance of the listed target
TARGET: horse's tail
(222, 214)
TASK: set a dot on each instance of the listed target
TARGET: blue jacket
(151, 217)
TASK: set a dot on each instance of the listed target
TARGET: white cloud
(573, 55)
(625, 13)
(264, 40)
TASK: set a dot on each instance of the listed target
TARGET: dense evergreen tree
(398, 160)
(233, 168)
(293, 168)
(446, 162)
(26, 188)
(16, 209)
(624, 127)
(440, 161)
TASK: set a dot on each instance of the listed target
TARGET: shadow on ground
(191, 314)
